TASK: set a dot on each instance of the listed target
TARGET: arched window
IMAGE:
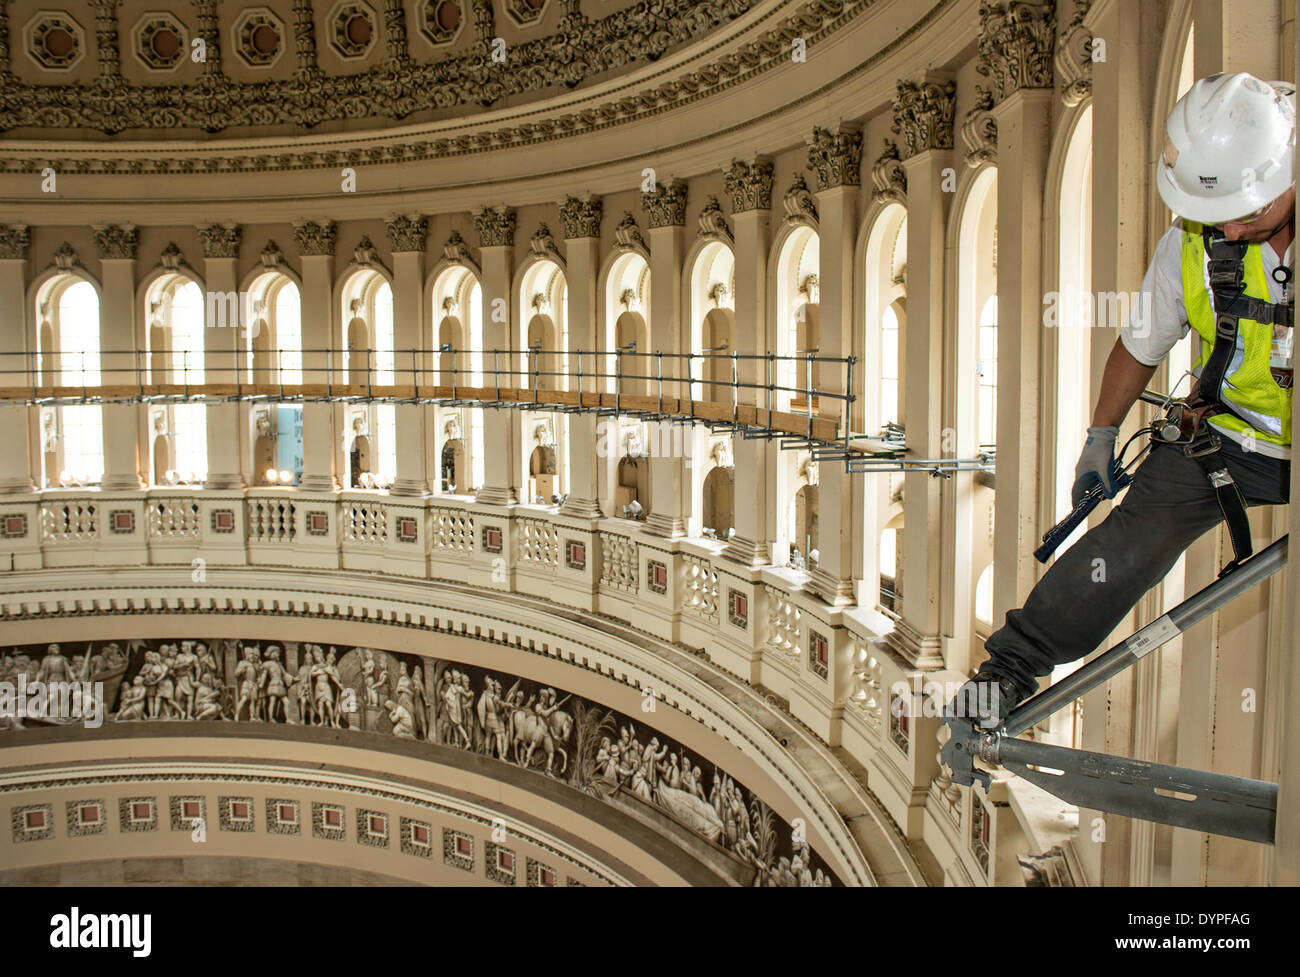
(370, 439)
(80, 451)
(987, 368)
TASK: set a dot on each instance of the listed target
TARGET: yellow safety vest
(1258, 404)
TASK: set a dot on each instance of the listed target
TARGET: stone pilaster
(836, 158)
(118, 344)
(749, 184)
(581, 218)
(501, 428)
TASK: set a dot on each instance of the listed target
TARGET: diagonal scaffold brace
(1237, 807)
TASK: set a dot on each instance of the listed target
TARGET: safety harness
(1227, 279)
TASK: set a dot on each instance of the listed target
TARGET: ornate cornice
(713, 221)
(814, 21)
(407, 232)
(665, 205)
(581, 216)
(836, 157)
(1015, 45)
(750, 184)
(116, 240)
(923, 115)
(888, 178)
(579, 49)
(14, 239)
(220, 240)
(798, 202)
(315, 237)
(980, 130)
(1073, 59)
(495, 226)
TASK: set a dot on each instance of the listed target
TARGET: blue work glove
(1096, 464)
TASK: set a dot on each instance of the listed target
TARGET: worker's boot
(986, 700)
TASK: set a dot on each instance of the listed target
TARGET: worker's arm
(1124, 379)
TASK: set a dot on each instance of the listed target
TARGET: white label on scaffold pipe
(1152, 636)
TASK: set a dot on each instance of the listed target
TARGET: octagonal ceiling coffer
(352, 29)
(160, 41)
(55, 40)
(441, 20)
(526, 13)
(259, 38)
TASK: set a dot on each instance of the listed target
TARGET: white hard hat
(1228, 148)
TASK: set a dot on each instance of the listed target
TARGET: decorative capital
(65, 257)
(171, 257)
(272, 256)
(14, 239)
(364, 253)
(495, 226)
(665, 205)
(542, 243)
(798, 202)
(1015, 45)
(888, 178)
(627, 235)
(836, 157)
(980, 130)
(1074, 56)
(923, 115)
(116, 240)
(713, 222)
(407, 232)
(220, 240)
(455, 249)
(750, 184)
(581, 216)
(315, 237)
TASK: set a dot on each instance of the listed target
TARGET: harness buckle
(1207, 444)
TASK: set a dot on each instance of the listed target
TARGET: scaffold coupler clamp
(966, 741)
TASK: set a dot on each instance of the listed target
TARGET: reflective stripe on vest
(1249, 390)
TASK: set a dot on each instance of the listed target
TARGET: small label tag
(1152, 636)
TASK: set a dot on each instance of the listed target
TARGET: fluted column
(836, 158)
(923, 116)
(407, 235)
(666, 208)
(226, 427)
(582, 256)
(749, 184)
(501, 429)
(17, 349)
(316, 246)
(117, 342)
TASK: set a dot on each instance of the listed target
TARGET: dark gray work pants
(1078, 602)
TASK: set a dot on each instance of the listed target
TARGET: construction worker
(1222, 269)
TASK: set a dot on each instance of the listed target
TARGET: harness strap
(1204, 450)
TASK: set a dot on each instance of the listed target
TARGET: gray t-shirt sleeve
(1157, 317)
